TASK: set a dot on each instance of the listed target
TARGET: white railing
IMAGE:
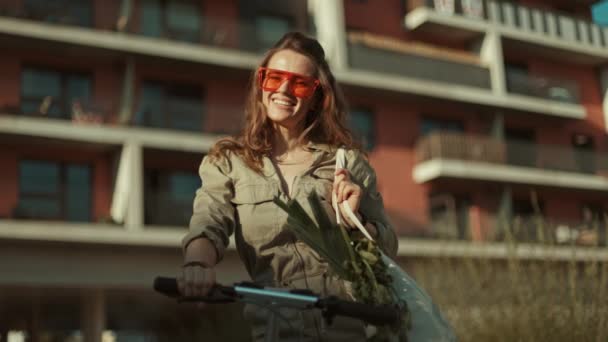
(526, 19)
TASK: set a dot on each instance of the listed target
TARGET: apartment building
(475, 114)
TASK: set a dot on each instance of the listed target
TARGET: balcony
(175, 32)
(524, 229)
(460, 156)
(543, 87)
(416, 60)
(551, 34)
(74, 13)
(78, 111)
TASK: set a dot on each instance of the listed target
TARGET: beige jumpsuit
(235, 199)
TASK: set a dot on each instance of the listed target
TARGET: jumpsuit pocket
(256, 212)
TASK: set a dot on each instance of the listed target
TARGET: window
(584, 151)
(70, 12)
(172, 19)
(525, 215)
(170, 106)
(169, 197)
(430, 125)
(52, 93)
(521, 147)
(269, 29)
(52, 190)
(361, 122)
(449, 215)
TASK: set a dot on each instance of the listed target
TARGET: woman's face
(282, 106)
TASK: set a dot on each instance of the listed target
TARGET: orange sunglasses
(300, 86)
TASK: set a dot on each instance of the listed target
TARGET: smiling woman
(295, 123)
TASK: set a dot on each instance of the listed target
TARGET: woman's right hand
(196, 279)
(198, 273)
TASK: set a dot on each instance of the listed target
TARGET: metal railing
(533, 20)
(223, 32)
(527, 228)
(162, 208)
(448, 145)
(52, 12)
(545, 87)
(81, 112)
(214, 119)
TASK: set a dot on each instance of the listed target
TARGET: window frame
(143, 117)
(371, 145)
(63, 100)
(61, 196)
(157, 181)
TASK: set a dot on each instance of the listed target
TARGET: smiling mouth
(283, 103)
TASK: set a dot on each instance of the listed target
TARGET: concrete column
(120, 197)
(93, 315)
(135, 212)
(497, 130)
(34, 324)
(505, 210)
(331, 31)
(604, 88)
(124, 17)
(490, 52)
(126, 101)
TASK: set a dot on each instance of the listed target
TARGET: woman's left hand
(346, 190)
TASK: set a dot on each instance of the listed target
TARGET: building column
(128, 198)
(34, 323)
(504, 215)
(125, 114)
(93, 315)
(604, 88)
(331, 30)
(491, 54)
(124, 16)
(135, 211)
(497, 129)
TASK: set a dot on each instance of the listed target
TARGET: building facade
(477, 115)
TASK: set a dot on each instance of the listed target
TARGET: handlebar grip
(218, 294)
(166, 286)
(373, 314)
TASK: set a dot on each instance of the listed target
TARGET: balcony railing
(527, 229)
(212, 119)
(525, 19)
(411, 59)
(549, 88)
(78, 13)
(165, 209)
(250, 35)
(81, 112)
(455, 146)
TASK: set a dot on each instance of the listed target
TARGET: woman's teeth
(282, 103)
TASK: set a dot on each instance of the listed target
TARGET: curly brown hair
(324, 123)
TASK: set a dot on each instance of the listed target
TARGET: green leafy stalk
(356, 260)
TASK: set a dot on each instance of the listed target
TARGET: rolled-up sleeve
(372, 205)
(213, 214)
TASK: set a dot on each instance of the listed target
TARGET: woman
(295, 122)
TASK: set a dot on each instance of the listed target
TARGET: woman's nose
(285, 86)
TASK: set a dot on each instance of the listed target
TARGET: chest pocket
(322, 181)
(254, 194)
(257, 214)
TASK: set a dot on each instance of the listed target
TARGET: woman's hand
(346, 190)
(197, 274)
(196, 279)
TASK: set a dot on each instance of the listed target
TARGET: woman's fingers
(196, 281)
(346, 190)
